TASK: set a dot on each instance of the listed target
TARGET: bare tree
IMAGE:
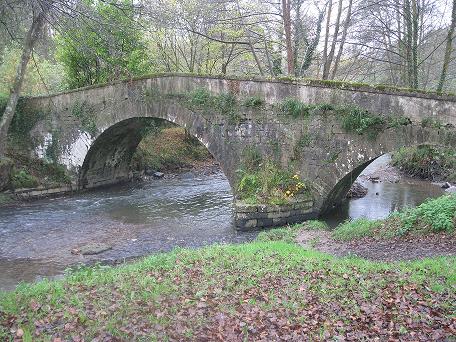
(448, 49)
(40, 10)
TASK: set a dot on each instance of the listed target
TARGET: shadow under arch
(109, 157)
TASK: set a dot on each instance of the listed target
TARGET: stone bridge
(94, 131)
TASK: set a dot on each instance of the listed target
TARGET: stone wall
(255, 216)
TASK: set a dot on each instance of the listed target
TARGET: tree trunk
(343, 39)
(448, 49)
(329, 60)
(29, 42)
(286, 12)
(325, 46)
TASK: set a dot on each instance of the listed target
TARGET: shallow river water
(36, 238)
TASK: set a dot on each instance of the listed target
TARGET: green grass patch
(356, 229)
(257, 290)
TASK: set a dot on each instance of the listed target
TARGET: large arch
(109, 156)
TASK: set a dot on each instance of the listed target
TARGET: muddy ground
(395, 249)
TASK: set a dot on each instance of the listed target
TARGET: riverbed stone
(94, 248)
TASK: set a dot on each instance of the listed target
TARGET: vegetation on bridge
(264, 181)
(270, 289)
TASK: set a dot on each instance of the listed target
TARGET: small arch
(341, 188)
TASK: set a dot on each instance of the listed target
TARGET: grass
(240, 292)
(268, 289)
(290, 233)
(433, 216)
(427, 162)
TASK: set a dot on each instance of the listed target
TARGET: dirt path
(383, 250)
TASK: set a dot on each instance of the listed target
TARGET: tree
(107, 47)
(448, 49)
(36, 25)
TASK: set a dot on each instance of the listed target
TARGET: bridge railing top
(343, 85)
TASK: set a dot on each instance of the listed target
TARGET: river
(191, 210)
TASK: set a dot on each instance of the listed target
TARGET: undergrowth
(427, 162)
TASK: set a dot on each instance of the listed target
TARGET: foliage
(168, 148)
(254, 102)
(431, 122)
(36, 172)
(295, 108)
(23, 122)
(22, 179)
(260, 290)
(432, 216)
(38, 71)
(355, 119)
(86, 116)
(110, 50)
(436, 215)
(428, 162)
(269, 184)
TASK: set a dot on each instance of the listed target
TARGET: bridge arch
(109, 156)
(387, 142)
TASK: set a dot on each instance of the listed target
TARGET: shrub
(430, 122)
(295, 108)
(254, 101)
(22, 179)
(428, 162)
(435, 215)
(355, 119)
(268, 183)
(199, 97)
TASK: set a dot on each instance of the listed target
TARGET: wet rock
(357, 191)
(148, 171)
(158, 174)
(446, 185)
(92, 248)
(451, 189)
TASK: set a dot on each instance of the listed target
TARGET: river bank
(231, 293)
